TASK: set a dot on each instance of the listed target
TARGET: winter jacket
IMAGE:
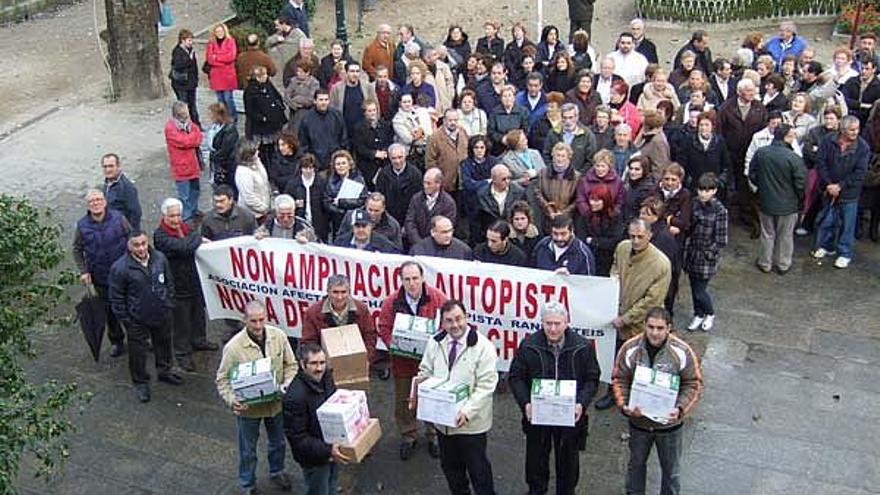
(180, 250)
(707, 237)
(656, 147)
(235, 223)
(622, 156)
(535, 359)
(455, 250)
(676, 358)
(378, 243)
(678, 210)
(845, 168)
(487, 97)
(429, 304)
(602, 235)
(536, 112)
(326, 70)
(778, 50)
(812, 141)
(248, 60)
(583, 146)
(299, 94)
(301, 427)
(587, 105)
(580, 10)
(264, 108)
(399, 189)
(703, 61)
(644, 280)
(634, 193)
(425, 89)
(322, 133)
(282, 169)
(778, 103)
(142, 295)
(405, 123)
(488, 209)
(221, 58)
(417, 224)
(501, 121)
(337, 209)
(296, 16)
(185, 64)
(223, 148)
(319, 316)
(367, 140)
(647, 48)
(698, 160)
(513, 256)
(559, 81)
(526, 242)
(182, 146)
(375, 55)
(651, 97)
(474, 366)
(447, 154)
(254, 190)
(475, 177)
(663, 240)
(590, 181)
(387, 226)
(780, 177)
(737, 132)
(494, 47)
(122, 196)
(242, 349)
(314, 195)
(577, 259)
(556, 193)
(97, 245)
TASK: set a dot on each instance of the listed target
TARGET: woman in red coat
(220, 58)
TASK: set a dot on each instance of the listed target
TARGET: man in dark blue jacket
(322, 130)
(842, 163)
(562, 252)
(294, 12)
(142, 296)
(119, 191)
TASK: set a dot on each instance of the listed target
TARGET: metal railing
(718, 11)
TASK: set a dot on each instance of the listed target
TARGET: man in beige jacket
(257, 341)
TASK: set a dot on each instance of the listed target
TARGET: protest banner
(504, 302)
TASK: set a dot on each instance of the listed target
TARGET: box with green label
(253, 382)
(440, 400)
(410, 335)
(654, 392)
(553, 402)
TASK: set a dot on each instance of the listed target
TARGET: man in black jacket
(556, 353)
(142, 297)
(363, 237)
(643, 45)
(699, 44)
(399, 181)
(311, 387)
(119, 191)
(322, 130)
(498, 248)
(371, 138)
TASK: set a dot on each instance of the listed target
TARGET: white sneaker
(821, 253)
(801, 231)
(841, 262)
(708, 323)
(695, 323)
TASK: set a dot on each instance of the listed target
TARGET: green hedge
(262, 13)
(716, 11)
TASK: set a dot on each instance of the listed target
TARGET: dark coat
(501, 121)
(223, 157)
(142, 295)
(708, 236)
(184, 62)
(236, 223)
(387, 226)
(514, 256)
(647, 48)
(697, 161)
(663, 240)
(534, 358)
(586, 107)
(282, 169)
(558, 81)
(811, 143)
(296, 17)
(678, 210)
(300, 406)
(398, 189)
(731, 88)
(456, 250)
(781, 179)
(475, 179)
(336, 209)
(860, 102)
(181, 255)
(583, 145)
(580, 10)
(602, 236)
(605, 139)
(633, 195)
(418, 217)
(538, 135)
(323, 133)
(578, 259)
(367, 140)
(328, 68)
(378, 243)
(738, 132)
(493, 47)
(488, 211)
(122, 196)
(320, 220)
(97, 245)
(779, 103)
(487, 98)
(512, 58)
(704, 58)
(264, 108)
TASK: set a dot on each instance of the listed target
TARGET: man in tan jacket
(257, 341)
(446, 149)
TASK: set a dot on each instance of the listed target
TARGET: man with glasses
(494, 202)
(573, 133)
(379, 52)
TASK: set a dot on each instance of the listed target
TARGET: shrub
(262, 13)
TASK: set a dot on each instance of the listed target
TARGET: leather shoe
(171, 378)
(406, 449)
(117, 350)
(186, 363)
(142, 391)
(205, 345)
(434, 448)
(605, 402)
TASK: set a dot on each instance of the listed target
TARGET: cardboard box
(553, 402)
(410, 335)
(346, 353)
(344, 416)
(364, 442)
(253, 382)
(654, 393)
(439, 401)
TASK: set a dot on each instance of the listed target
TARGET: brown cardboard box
(347, 354)
(364, 442)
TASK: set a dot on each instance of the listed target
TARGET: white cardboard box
(344, 416)
(439, 401)
(254, 381)
(410, 335)
(654, 393)
(553, 402)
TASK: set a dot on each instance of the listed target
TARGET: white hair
(396, 146)
(91, 193)
(637, 22)
(283, 201)
(170, 203)
(623, 127)
(554, 308)
(306, 42)
(788, 26)
(744, 84)
(412, 48)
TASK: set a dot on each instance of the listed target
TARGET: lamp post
(341, 31)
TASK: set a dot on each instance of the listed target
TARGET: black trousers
(114, 329)
(539, 441)
(464, 462)
(672, 293)
(138, 335)
(188, 96)
(189, 324)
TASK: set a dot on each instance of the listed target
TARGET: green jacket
(781, 179)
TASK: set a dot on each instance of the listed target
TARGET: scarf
(183, 232)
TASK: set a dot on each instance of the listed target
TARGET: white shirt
(308, 201)
(603, 87)
(631, 66)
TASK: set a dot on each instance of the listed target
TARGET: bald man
(494, 202)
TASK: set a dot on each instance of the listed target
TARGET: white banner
(503, 302)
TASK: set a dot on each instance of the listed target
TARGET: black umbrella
(92, 320)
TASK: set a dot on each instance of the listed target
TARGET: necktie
(453, 352)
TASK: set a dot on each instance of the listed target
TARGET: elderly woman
(506, 117)
(220, 62)
(652, 142)
(602, 129)
(657, 90)
(252, 182)
(471, 118)
(680, 75)
(300, 94)
(524, 163)
(343, 169)
(557, 186)
(601, 173)
(623, 147)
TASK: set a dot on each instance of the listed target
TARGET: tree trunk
(133, 46)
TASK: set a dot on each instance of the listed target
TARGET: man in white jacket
(463, 355)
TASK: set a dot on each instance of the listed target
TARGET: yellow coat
(644, 280)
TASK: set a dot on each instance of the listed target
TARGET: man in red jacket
(183, 138)
(413, 298)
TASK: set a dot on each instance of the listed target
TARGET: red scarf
(183, 232)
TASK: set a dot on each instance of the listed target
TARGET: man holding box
(258, 341)
(554, 356)
(663, 353)
(414, 298)
(464, 356)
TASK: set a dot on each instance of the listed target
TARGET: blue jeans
(700, 296)
(227, 99)
(838, 221)
(321, 480)
(248, 434)
(188, 194)
(668, 452)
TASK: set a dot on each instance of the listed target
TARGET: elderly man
(142, 296)
(227, 219)
(306, 54)
(252, 57)
(463, 355)
(556, 353)
(562, 252)
(323, 130)
(494, 202)
(98, 241)
(379, 52)
(786, 43)
(446, 149)
(361, 234)
(255, 341)
(370, 139)
(339, 308)
(350, 96)
(183, 139)
(643, 45)
(441, 243)
(657, 348)
(178, 241)
(605, 78)
(283, 223)
(382, 223)
(573, 133)
(498, 247)
(644, 273)
(630, 64)
(414, 298)
(431, 202)
(119, 190)
(399, 182)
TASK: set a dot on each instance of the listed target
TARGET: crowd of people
(541, 154)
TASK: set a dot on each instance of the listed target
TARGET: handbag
(179, 76)
(206, 67)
